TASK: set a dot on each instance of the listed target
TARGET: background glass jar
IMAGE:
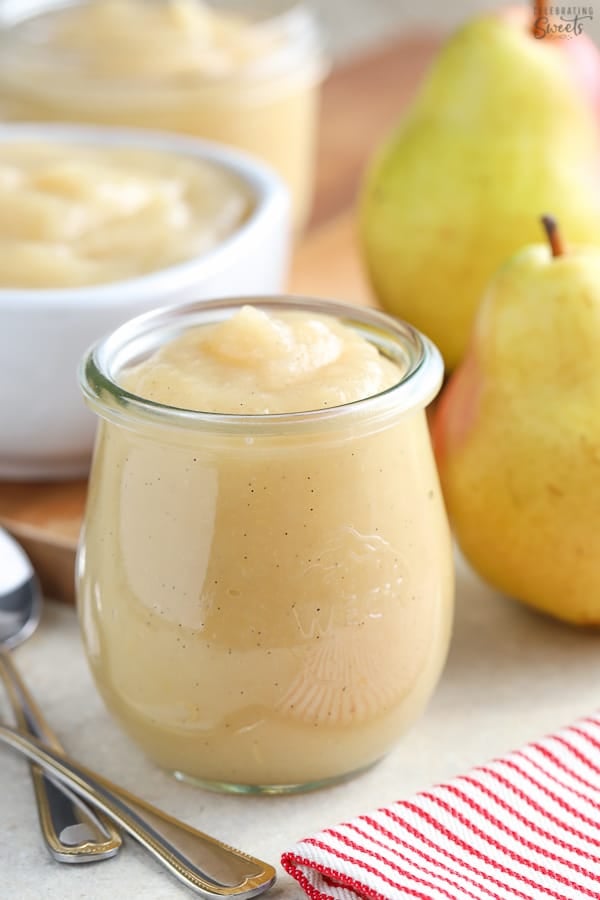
(175, 65)
(265, 600)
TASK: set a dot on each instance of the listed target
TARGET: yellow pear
(503, 126)
(517, 433)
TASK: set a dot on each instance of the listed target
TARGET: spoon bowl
(20, 594)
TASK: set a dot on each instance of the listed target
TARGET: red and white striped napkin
(525, 826)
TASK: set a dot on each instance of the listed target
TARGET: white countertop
(511, 676)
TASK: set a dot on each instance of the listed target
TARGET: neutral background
(351, 25)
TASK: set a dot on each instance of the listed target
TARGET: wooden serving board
(361, 101)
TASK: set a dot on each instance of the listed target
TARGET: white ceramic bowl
(45, 429)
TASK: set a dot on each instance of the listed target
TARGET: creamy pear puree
(270, 609)
(77, 215)
(176, 65)
(255, 363)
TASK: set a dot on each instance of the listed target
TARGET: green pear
(517, 433)
(501, 129)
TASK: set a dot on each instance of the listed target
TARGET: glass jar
(177, 65)
(265, 600)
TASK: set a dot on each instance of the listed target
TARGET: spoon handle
(73, 832)
(206, 865)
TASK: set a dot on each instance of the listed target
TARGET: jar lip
(304, 49)
(421, 379)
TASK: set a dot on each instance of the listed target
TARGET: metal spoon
(203, 863)
(73, 832)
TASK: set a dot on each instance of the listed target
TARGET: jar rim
(303, 56)
(421, 378)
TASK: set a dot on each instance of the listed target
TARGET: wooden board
(361, 102)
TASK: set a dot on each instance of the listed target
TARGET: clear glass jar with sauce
(246, 75)
(265, 597)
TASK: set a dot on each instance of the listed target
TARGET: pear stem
(554, 236)
(536, 14)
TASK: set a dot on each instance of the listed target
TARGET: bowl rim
(267, 187)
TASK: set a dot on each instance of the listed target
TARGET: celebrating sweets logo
(561, 21)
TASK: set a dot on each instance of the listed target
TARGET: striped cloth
(526, 826)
